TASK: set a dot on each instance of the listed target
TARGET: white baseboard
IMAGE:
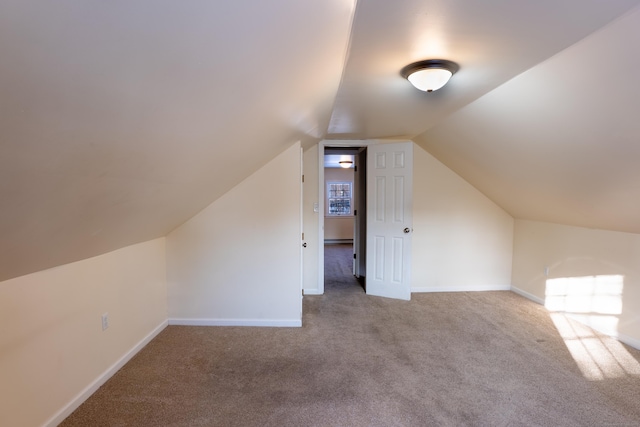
(98, 382)
(237, 322)
(338, 241)
(312, 292)
(482, 288)
(527, 295)
(632, 342)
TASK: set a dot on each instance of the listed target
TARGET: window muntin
(339, 198)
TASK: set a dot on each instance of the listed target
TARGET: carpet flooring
(441, 359)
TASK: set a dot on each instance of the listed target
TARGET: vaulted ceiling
(119, 120)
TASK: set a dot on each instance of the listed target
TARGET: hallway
(338, 269)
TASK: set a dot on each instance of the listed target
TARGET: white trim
(303, 243)
(632, 342)
(321, 218)
(527, 295)
(102, 378)
(612, 333)
(321, 191)
(312, 292)
(356, 143)
(338, 241)
(482, 288)
(237, 322)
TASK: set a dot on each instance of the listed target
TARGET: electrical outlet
(105, 321)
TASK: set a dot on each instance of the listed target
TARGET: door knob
(407, 230)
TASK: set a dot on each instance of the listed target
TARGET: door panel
(389, 220)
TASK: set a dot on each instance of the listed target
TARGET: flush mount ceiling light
(431, 74)
(345, 163)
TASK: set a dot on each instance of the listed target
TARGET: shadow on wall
(595, 301)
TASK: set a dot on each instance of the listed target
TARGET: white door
(389, 219)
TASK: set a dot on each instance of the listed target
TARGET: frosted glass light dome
(430, 79)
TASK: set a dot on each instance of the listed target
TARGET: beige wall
(462, 240)
(53, 352)
(239, 260)
(574, 252)
(339, 228)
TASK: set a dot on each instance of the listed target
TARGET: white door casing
(389, 219)
(303, 243)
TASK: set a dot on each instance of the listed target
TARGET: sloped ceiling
(119, 120)
(560, 142)
(492, 41)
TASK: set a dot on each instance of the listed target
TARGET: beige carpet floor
(441, 359)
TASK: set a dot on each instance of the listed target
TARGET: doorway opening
(344, 218)
(382, 239)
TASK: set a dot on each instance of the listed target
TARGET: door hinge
(355, 212)
(302, 236)
(302, 178)
(354, 256)
(355, 169)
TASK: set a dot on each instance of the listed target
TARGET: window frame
(339, 198)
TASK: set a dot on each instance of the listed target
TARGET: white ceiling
(492, 41)
(333, 160)
(121, 120)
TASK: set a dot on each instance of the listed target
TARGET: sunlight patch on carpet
(594, 301)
